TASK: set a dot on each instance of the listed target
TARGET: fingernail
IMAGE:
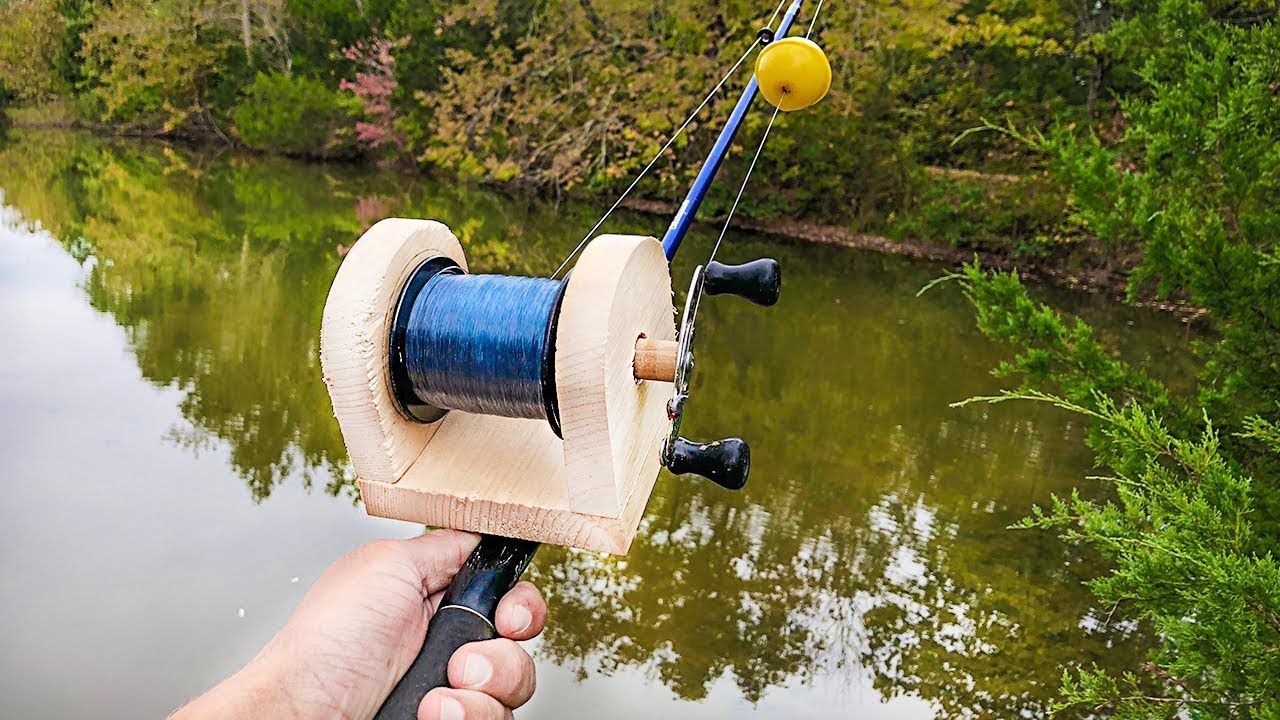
(451, 709)
(521, 618)
(477, 671)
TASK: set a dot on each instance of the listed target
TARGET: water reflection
(872, 540)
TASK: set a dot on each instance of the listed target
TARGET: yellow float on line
(793, 73)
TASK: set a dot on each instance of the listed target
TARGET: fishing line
(741, 189)
(483, 344)
(814, 21)
(655, 159)
(660, 153)
(774, 16)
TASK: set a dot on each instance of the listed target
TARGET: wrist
(259, 689)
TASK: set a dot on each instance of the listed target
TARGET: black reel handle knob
(723, 462)
(759, 281)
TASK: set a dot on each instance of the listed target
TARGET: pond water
(175, 478)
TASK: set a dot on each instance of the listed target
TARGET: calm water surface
(175, 480)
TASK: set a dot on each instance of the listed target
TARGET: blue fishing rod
(684, 216)
(469, 605)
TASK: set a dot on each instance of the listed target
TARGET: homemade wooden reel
(528, 409)
(521, 407)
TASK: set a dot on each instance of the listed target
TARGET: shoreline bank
(1100, 281)
(1093, 276)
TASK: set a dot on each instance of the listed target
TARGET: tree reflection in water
(871, 540)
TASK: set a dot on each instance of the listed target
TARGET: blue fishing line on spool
(480, 343)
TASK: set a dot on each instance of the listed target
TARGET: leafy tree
(153, 58)
(32, 33)
(1209, 121)
(1193, 553)
(373, 87)
(298, 115)
(161, 63)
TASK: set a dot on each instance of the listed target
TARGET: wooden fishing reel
(528, 409)
(521, 407)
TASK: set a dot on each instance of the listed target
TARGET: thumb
(438, 555)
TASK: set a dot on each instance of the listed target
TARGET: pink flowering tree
(373, 85)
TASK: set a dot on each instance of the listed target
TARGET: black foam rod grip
(450, 628)
(759, 281)
(466, 615)
(723, 462)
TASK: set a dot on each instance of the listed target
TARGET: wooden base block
(518, 492)
(506, 476)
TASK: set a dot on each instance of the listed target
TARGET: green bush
(296, 115)
(1189, 180)
(1013, 214)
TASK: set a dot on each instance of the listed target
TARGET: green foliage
(1018, 215)
(1019, 59)
(1193, 553)
(31, 40)
(163, 65)
(590, 91)
(1187, 178)
(151, 59)
(296, 115)
(1053, 350)
(1188, 558)
(1194, 185)
(578, 95)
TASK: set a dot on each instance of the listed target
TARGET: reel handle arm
(465, 615)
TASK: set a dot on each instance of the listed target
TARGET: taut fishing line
(725, 228)
(484, 344)
(655, 159)
(774, 16)
(668, 144)
(750, 168)
(814, 21)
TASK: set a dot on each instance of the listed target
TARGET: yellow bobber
(793, 73)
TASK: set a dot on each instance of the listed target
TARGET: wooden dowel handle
(656, 359)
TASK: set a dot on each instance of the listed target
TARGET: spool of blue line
(476, 343)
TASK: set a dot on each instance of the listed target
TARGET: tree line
(577, 95)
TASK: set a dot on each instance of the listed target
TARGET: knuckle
(378, 549)
(521, 674)
(511, 675)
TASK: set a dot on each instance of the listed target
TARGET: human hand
(360, 627)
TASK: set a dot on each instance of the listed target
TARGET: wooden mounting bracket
(508, 476)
